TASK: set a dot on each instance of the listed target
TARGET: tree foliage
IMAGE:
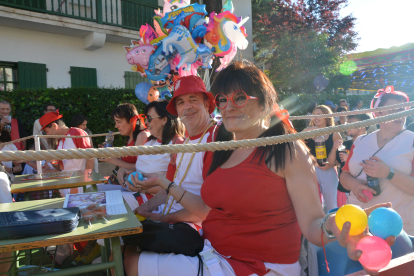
(303, 41)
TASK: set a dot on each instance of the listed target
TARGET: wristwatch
(328, 234)
(391, 174)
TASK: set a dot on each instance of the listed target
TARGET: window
(132, 79)
(83, 77)
(8, 76)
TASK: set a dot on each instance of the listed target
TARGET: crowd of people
(246, 209)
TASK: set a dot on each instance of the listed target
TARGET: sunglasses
(239, 99)
(148, 118)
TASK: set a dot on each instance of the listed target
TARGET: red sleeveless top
(252, 218)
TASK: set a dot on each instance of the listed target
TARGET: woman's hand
(343, 156)
(337, 144)
(152, 180)
(375, 167)
(121, 176)
(350, 242)
(357, 186)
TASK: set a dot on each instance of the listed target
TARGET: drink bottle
(109, 140)
(320, 150)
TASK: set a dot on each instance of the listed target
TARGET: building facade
(74, 43)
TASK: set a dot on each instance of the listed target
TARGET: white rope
(355, 112)
(229, 145)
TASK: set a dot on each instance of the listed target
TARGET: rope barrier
(355, 112)
(214, 146)
(55, 136)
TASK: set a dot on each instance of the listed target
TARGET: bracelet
(169, 186)
(182, 196)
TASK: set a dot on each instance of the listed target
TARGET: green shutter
(132, 79)
(31, 75)
(83, 77)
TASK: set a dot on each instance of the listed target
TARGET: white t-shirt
(398, 153)
(77, 143)
(194, 178)
(153, 163)
(37, 131)
(9, 164)
(29, 170)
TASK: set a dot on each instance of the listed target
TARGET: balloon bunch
(184, 39)
(382, 223)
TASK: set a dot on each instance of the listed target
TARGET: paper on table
(115, 203)
(112, 199)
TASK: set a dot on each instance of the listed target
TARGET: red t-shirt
(252, 218)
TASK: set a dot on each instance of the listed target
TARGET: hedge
(98, 103)
(95, 103)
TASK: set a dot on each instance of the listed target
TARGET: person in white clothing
(37, 127)
(53, 124)
(388, 155)
(9, 166)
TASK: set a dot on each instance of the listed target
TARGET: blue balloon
(384, 222)
(140, 177)
(141, 91)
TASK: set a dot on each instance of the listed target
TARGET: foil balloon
(224, 29)
(159, 63)
(181, 40)
(225, 60)
(192, 71)
(138, 54)
(228, 6)
(159, 27)
(187, 16)
(170, 5)
(146, 93)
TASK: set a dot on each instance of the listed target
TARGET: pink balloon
(368, 194)
(376, 253)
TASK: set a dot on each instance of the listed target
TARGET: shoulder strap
(380, 147)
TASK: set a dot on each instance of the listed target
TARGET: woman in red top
(256, 202)
(128, 123)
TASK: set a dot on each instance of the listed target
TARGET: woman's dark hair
(342, 109)
(247, 77)
(77, 120)
(389, 96)
(311, 107)
(128, 111)
(5, 136)
(173, 126)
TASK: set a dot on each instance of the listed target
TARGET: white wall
(59, 52)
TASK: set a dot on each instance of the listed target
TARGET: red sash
(15, 134)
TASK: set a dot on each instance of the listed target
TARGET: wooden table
(79, 179)
(119, 225)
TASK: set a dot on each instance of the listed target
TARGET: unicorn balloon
(170, 5)
(224, 29)
(180, 39)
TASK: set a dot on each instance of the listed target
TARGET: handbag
(162, 237)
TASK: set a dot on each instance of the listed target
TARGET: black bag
(162, 237)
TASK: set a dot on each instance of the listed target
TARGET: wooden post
(38, 163)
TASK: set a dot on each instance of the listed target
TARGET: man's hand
(350, 242)
(4, 122)
(337, 144)
(375, 167)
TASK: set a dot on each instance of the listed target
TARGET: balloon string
(324, 253)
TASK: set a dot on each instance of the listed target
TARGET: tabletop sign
(53, 175)
(111, 199)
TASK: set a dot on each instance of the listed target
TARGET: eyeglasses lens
(239, 98)
(221, 100)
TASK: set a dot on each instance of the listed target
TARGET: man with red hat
(193, 105)
(52, 124)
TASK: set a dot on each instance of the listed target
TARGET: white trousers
(154, 264)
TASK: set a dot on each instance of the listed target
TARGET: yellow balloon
(140, 218)
(355, 215)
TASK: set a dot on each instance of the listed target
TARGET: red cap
(49, 118)
(189, 84)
